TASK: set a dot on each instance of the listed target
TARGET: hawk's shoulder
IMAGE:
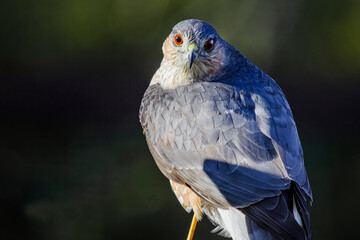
(153, 94)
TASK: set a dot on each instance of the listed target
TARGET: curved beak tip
(191, 58)
(193, 49)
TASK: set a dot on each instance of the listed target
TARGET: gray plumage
(231, 137)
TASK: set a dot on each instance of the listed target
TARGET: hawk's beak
(193, 49)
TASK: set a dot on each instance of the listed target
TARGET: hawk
(221, 130)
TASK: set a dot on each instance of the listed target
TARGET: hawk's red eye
(178, 39)
(209, 44)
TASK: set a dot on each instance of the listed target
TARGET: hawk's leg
(189, 201)
(192, 228)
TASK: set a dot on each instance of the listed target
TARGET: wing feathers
(242, 143)
(275, 214)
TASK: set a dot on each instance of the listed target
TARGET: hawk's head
(194, 47)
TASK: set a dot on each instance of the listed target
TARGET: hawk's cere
(222, 131)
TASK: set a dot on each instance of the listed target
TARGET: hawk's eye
(209, 44)
(178, 39)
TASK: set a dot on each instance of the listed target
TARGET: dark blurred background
(74, 162)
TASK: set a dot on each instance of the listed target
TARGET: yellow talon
(192, 228)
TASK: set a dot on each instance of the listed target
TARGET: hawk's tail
(233, 223)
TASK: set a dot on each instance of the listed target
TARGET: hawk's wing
(233, 146)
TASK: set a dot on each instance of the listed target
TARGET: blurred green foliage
(321, 34)
(74, 162)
